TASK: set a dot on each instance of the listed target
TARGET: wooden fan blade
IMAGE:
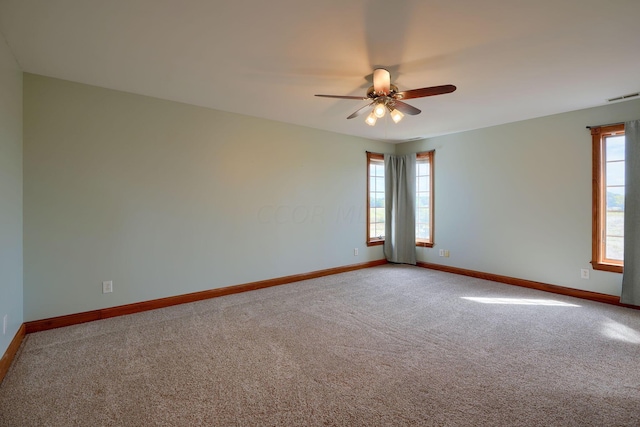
(406, 108)
(425, 91)
(343, 97)
(381, 81)
(360, 111)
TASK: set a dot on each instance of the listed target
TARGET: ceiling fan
(385, 96)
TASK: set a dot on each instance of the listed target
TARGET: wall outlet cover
(107, 287)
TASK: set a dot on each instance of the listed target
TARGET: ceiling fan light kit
(379, 110)
(386, 96)
(371, 119)
(396, 116)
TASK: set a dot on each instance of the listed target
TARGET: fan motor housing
(371, 93)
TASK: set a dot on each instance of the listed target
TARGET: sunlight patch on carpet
(620, 332)
(520, 301)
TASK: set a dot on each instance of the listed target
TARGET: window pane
(423, 183)
(615, 199)
(380, 184)
(615, 148)
(422, 168)
(422, 231)
(423, 200)
(615, 223)
(614, 248)
(380, 169)
(615, 173)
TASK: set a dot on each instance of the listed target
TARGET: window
(375, 199)
(608, 198)
(424, 199)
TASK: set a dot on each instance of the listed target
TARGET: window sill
(612, 268)
(424, 244)
(381, 242)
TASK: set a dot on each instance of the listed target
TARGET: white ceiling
(510, 59)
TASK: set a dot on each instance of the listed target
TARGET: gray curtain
(400, 208)
(631, 275)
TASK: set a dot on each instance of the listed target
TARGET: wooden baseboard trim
(7, 358)
(89, 316)
(578, 293)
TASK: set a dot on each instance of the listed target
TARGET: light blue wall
(10, 195)
(166, 198)
(515, 199)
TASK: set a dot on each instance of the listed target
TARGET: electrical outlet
(355, 252)
(5, 319)
(446, 253)
(584, 273)
(441, 252)
(107, 287)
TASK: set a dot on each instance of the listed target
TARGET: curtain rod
(609, 124)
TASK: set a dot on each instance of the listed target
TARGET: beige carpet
(391, 345)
